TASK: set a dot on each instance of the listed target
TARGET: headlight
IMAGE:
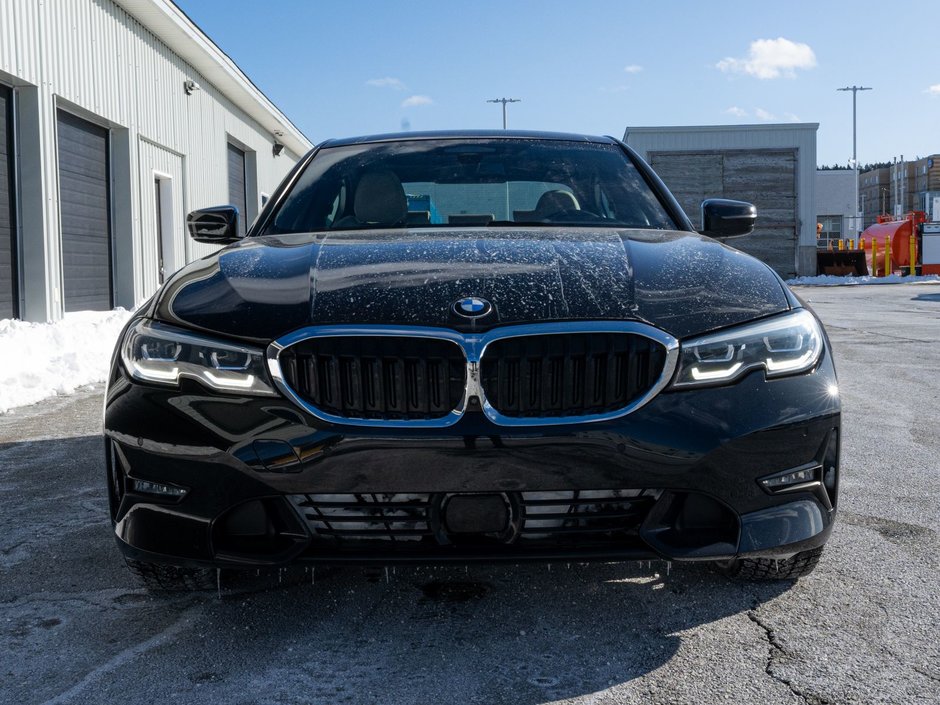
(162, 354)
(783, 345)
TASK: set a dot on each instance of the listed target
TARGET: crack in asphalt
(926, 674)
(830, 326)
(775, 649)
(124, 657)
(8, 551)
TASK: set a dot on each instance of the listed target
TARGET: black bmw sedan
(475, 346)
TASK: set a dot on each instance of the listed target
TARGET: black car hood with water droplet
(265, 287)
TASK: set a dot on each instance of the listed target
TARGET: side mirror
(723, 218)
(214, 226)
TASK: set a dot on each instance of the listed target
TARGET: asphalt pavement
(76, 627)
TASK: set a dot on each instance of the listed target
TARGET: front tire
(765, 569)
(160, 578)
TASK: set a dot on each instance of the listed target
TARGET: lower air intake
(513, 521)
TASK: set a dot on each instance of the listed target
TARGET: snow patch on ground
(40, 360)
(831, 280)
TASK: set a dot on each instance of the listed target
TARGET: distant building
(772, 166)
(901, 188)
(835, 210)
(116, 118)
(927, 186)
(874, 193)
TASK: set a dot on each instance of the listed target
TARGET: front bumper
(680, 474)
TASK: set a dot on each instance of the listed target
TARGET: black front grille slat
(575, 501)
(575, 374)
(379, 531)
(614, 387)
(377, 377)
(364, 506)
(330, 380)
(359, 504)
(603, 514)
(364, 518)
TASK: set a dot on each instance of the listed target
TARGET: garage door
(84, 202)
(764, 177)
(236, 185)
(8, 295)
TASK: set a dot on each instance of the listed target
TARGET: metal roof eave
(179, 33)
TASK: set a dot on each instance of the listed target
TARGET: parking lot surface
(75, 627)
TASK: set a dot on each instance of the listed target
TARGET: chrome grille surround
(473, 346)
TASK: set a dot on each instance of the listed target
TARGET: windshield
(473, 182)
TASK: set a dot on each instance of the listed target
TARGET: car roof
(467, 134)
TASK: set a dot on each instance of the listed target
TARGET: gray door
(84, 203)
(236, 185)
(8, 279)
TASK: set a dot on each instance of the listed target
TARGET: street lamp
(855, 90)
(504, 101)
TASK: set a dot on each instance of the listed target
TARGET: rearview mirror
(214, 226)
(723, 218)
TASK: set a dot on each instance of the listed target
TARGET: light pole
(504, 101)
(855, 90)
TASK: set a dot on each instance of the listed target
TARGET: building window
(830, 232)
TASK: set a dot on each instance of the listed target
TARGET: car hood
(265, 287)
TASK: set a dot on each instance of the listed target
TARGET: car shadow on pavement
(78, 623)
(516, 633)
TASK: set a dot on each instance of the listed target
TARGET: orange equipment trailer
(896, 235)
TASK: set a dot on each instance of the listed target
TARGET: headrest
(555, 202)
(380, 199)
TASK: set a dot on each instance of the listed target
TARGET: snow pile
(831, 280)
(40, 360)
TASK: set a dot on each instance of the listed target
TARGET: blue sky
(347, 68)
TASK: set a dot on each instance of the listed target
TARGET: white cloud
(934, 89)
(736, 111)
(415, 101)
(762, 114)
(790, 117)
(387, 82)
(771, 58)
(633, 68)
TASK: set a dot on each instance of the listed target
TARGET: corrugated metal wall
(93, 58)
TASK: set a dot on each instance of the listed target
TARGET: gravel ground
(75, 627)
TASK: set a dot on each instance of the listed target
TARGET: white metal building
(117, 117)
(772, 166)
(835, 195)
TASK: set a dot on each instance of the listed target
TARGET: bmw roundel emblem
(472, 307)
